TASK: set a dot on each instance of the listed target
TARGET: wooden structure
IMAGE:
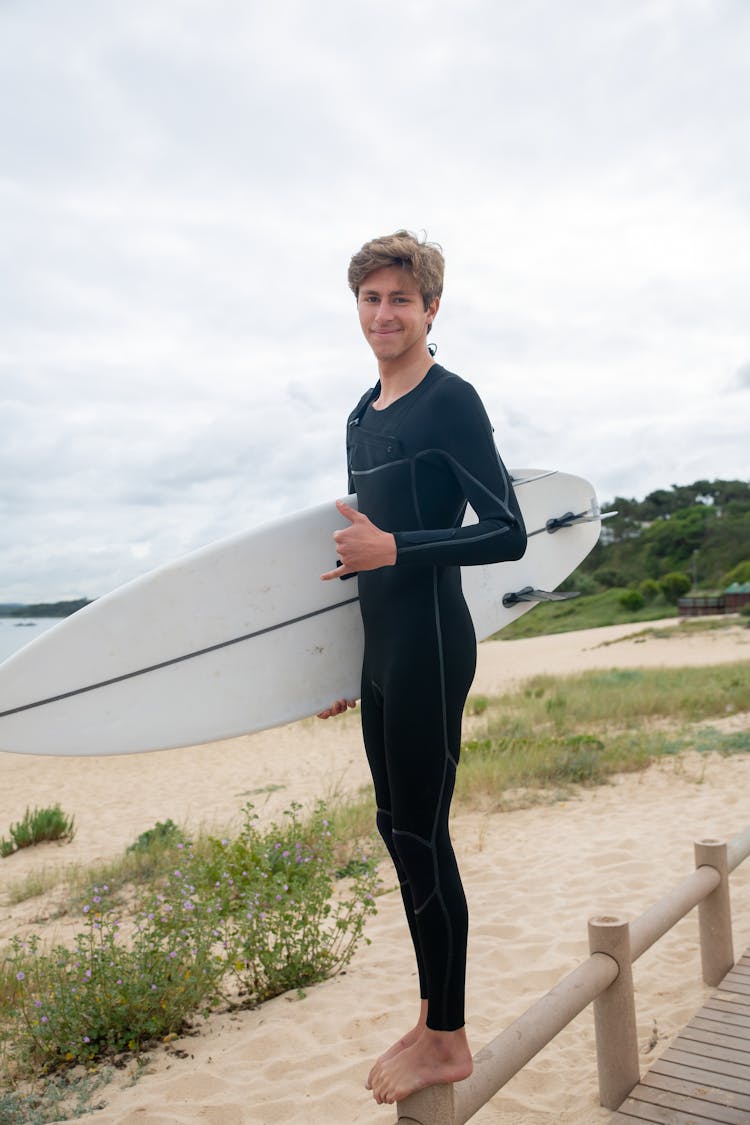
(605, 980)
(704, 1074)
(704, 605)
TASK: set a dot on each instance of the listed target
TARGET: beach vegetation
(236, 920)
(632, 599)
(674, 585)
(36, 827)
(163, 833)
(648, 589)
(561, 731)
(739, 573)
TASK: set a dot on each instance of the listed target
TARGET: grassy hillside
(690, 537)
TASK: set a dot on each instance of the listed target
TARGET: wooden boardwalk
(703, 1077)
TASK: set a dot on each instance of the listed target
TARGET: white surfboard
(242, 635)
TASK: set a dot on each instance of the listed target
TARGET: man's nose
(384, 313)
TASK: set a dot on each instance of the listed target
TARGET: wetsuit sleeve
(467, 448)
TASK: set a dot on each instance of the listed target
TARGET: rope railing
(604, 979)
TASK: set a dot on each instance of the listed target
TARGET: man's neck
(397, 379)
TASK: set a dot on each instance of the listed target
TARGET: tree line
(701, 531)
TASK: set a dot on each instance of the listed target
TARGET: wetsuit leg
(426, 676)
(374, 739)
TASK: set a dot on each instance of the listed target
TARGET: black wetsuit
(414, 465)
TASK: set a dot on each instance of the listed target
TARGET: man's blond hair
(423, 260)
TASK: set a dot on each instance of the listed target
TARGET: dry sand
(533, 878)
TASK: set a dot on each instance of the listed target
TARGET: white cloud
(182, 186)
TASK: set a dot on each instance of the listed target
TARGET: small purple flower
(20, 976)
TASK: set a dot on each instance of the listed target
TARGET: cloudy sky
(182, 183)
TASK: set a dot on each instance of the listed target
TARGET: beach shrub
(36, 827)
(111, 992)
(674, 585)
(262, 910)
(609, 578)
(649, 589)
(165, 832)
(281, 925)
(632, 600)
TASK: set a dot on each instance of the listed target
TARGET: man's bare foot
(435, 1057)
(400, 1045)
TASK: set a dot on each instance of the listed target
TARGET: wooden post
(614, 1014)
(715, 915)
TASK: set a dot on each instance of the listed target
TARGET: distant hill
(43, 609)
(688, 537)
(701, 529)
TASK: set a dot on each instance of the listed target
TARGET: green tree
(674, 585)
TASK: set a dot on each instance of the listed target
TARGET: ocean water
(15, 632)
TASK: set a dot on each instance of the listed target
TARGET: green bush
(609, 578)
(107, 994)
(259, 909)
(165, 832)
(273, 893)
(632, 600)
(674, 585)
(37, 826)
(739, 573)
(649, 589)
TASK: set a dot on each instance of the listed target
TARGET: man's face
(392, 313)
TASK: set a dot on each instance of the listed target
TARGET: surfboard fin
(529, 594)
(592, 515)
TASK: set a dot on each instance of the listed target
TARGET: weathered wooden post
(614, 1014)
(715, 914)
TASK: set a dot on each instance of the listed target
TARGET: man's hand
(361, 546)
(337, 708)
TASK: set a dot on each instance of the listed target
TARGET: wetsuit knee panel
(384, 822)
(418, 861)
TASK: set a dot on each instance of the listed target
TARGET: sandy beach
(533, 878)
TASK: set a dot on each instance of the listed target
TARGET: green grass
(37, 827)
(590, 611)
(560, 731)
(623, 697)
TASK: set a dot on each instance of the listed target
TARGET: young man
(420, 447)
